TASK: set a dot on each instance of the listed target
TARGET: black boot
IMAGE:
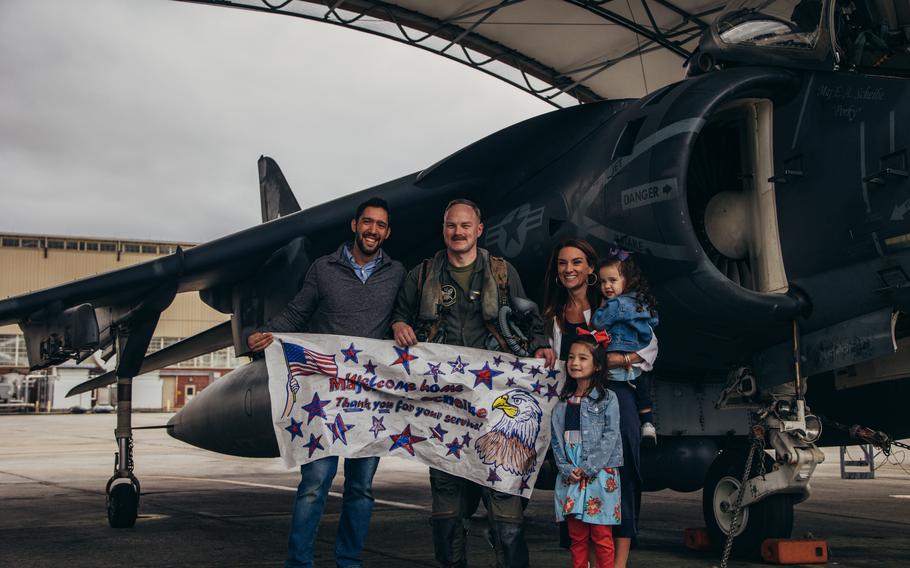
(449, 539)
(511, 548)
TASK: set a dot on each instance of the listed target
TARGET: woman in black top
(571, 293)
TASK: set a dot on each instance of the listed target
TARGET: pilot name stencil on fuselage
(648, 193)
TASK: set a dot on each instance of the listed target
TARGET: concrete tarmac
(204, 509)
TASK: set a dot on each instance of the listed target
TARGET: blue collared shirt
(363, 272)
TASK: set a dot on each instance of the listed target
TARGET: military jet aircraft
(765, 194)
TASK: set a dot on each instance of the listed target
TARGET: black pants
(451, 495)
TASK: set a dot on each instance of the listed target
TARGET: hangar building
(34, 262)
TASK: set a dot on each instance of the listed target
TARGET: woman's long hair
(555, 294)
(598, 379)
(635, 282)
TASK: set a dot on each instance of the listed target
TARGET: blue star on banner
(536, 386)
(552, 373)
(510, 382)
(315, 408)
(294, 429)
(524, 484)
(551, 392)
(404, 358)
(350, 354)
(458, 365)
(378, 426)
(340, 429)
(454, 448)
(370, 367)
(313, 444)
(535, 370)
(497, 361)
(466, 440)
(434, 371)
(484, 375)
(439, 433)
(493, 477)
(518, 365)
(405, 440)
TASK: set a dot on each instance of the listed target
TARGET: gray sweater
(333, 299)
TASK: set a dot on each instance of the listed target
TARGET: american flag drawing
(303, 362)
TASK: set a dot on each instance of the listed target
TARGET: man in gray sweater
(350, 292)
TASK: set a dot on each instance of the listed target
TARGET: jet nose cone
(231, 416)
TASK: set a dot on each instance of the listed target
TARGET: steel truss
(455, 37)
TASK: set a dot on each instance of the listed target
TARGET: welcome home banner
(480, 415)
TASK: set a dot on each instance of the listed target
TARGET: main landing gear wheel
(772, 517)
(123, 504)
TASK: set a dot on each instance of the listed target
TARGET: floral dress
(593, 500)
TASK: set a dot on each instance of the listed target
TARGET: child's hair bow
(619, 253)
(599, 335)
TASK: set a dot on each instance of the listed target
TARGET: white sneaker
(648, 435)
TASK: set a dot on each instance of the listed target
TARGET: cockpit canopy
(771, 23)
(870, 36)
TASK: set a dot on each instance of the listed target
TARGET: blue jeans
(356, 507)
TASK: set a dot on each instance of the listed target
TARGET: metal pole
(796, 361)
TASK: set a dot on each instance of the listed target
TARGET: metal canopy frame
(456, 37)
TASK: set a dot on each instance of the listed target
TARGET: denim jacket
(601, 445)
(629, 329)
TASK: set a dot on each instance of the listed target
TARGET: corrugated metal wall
(28, 269)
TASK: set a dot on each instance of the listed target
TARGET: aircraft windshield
(771, 23)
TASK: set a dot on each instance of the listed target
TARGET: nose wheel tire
(772, 517)
(122, 506)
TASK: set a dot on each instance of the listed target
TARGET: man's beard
(362, 246)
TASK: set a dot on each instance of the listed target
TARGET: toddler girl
(628, 315)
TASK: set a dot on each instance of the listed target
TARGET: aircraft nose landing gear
(748, 496)
(727, 509)
(122, 501)
(123, 488)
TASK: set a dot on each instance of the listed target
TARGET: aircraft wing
(563, 52)
(250, 274)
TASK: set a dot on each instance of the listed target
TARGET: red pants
(600, 536)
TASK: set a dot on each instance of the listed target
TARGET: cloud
(145, 119)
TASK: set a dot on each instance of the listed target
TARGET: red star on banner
(404, 358)
(313, 444)
(405, 440)
(485, 375)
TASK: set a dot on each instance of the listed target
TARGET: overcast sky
(145, 118)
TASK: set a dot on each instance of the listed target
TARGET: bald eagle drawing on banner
(510, 442)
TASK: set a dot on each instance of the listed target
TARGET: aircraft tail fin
(277, 198)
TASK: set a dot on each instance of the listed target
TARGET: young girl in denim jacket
(587, 448)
